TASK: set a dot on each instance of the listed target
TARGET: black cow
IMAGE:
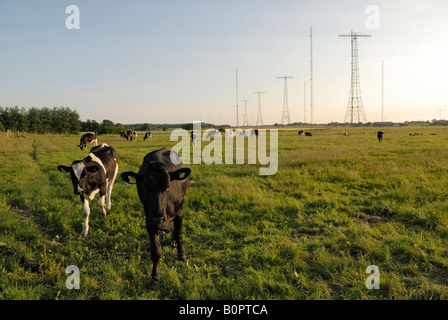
(95, 173)
(88, 138)
(148, 135)
(308, 134)
(380, 136)
(161, 190)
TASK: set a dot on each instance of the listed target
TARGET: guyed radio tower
(355, 109)
(245, 118)
(236, 80)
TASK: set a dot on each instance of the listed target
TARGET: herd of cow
(344, 134)
(161, 186)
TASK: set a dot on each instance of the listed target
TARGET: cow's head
(85, 176)
(153, 185)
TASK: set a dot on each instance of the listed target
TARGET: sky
(176, 61)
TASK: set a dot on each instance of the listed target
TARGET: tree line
(60, 120)
(44, 120)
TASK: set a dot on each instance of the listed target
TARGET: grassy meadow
(335, 206)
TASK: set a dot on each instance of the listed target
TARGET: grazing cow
(308, 134)
(88, 138)
(301, 133)
(212, 133)
(194, 137)
(344, 134)
(148, 136)
(95, 173)
(134, 136)
(229, 134)
(161, 190)
(122, 135)
(380, 136)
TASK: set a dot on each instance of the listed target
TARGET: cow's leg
(156, 249)
(177, 236)
(102, 203)
(86, 208)
(109, 188)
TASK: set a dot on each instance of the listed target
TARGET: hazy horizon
(154, 62)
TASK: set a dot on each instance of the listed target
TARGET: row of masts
(355, 110)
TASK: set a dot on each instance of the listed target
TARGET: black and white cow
(194, 137)
(161, 187)
(128, 135)
(88, 138)
(148, 135)
(95, 173)
(380, 136)
(344, 134)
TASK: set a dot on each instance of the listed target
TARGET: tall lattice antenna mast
(382, 91)
(355, 109)
(259, 117)
(440, 112)
(311, 76)
(245, 119)
(237, 119)
(304, 102)
(285, 115)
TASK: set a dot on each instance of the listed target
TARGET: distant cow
(130, 135)
(194, 137)
(380, 136)
(95, 173)
(148, 136)
(308, 134)
(161, 190)
(87, 138)
(212, 133)
(301, 133)
(229, 134)
(344, 134)
(122, 135)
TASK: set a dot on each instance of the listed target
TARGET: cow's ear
(92, 169)
(64, 169)
(177, 175)
(130, 177)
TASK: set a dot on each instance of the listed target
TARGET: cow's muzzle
(160, 223)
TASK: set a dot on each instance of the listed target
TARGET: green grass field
(335, 206)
